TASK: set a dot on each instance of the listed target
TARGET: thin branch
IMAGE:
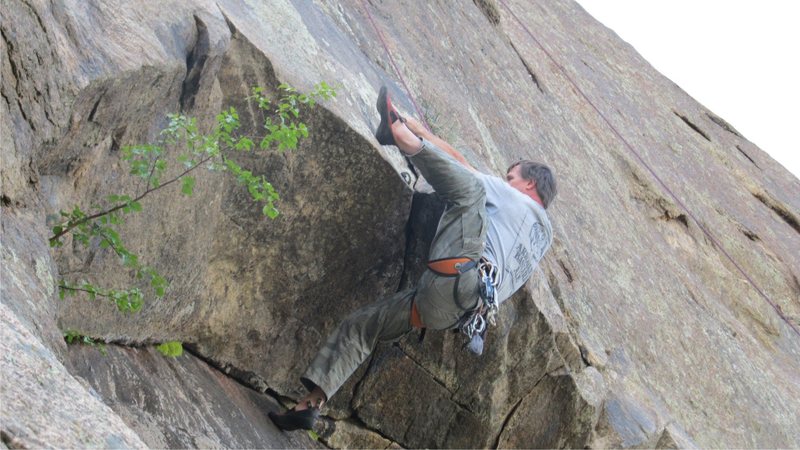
(112, 244)
(77, 289)
(122, 205)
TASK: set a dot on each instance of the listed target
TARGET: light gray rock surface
(181, 402)
(636, 332)
(43, 405)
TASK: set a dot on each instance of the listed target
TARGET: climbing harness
(451, 267)
(475, 323)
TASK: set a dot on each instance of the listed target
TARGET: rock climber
(487, 222)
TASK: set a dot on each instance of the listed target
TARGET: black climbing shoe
(389, 116)
(295, 420)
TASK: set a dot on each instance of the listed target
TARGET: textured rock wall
(636, 332)
(181, 402)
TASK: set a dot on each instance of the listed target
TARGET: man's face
(514, 178)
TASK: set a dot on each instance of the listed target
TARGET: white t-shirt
(519, 234)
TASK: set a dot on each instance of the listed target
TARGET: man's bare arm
(423, 132)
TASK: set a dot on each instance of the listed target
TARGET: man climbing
(489, 240)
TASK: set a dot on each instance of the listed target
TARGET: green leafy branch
(213, 150)
(75, 337)
(172, 349)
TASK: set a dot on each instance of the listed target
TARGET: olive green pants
(441, 301)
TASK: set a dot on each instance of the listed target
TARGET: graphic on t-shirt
(539, 242)
(524, 266)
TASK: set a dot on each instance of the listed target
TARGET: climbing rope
(396, 70)
(650, 169)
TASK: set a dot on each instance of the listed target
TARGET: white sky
(739, 58)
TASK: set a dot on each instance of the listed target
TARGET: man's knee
(471, 194)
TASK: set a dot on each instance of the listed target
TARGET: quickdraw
(475, 324)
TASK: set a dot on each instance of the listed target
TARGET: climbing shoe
(389, 115)
(295, 420)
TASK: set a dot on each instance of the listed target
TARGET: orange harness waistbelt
(450, 267)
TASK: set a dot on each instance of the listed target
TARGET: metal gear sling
(475, 323)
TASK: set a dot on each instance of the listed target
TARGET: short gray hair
(542, 175)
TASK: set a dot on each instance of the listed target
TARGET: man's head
(533, 179)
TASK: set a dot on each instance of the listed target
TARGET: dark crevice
(532, 74)
(195, 61)
(116, 139)
(432, 376)
(25, 116)
(781, 211)
(10, 59)
(693, 126)
(243, 377)
(566, 270)
(555, 289)
(8, 102)
(5, 200)
(584, 355)
(39, 21)
(723, 124)
(489, 10)
(667, 216)
(746, 155)
(438, 381)
(231, 27)
(750, 235)
(358, 421)
(514, 410)
(424, 214)
(10, 441)
(95, 106)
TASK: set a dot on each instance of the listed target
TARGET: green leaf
(112, 236)
(270, 211)
(188, 185)
(244, 143)
(136, 206)
(70, 336)
(172, 349)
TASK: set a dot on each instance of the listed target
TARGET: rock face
(181, 402)
(638, 331)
